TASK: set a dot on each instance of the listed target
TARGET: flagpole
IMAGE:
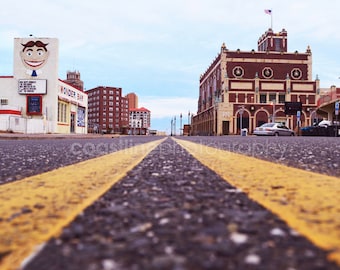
(271, 19)
(270, 12)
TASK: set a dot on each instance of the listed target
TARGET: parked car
(323, 128)
(273, 129)
(324, 123)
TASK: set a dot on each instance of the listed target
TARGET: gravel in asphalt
(21, 158)
(170, 212)
(316, 154)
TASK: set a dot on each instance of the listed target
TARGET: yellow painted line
(37, 208)
(307, 201)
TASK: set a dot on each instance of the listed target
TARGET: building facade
(244, 89)
(108, 110)
(73, 78)
(327, 103)
(34, 99)
(139, 121)
(133, 100)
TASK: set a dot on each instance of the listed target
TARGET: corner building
(34, 99)
(244, 89)
(139, 121)
(108, 110)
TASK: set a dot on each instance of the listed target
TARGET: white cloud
(156, 48)
(170, 106)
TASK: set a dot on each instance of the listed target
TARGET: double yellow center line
(37, 208)
(309, 202)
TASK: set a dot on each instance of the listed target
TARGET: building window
(232, 97)
(272, 97)
(263, 98)
(282, 98)
(3, 101)
(311, 99)
(62, 109)
(277, 44)
(241, 98)
(296, 73)
(267, 73)
(238, 71)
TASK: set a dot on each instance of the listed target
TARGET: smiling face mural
(34, 56)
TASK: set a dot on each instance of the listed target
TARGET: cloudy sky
(159, 48)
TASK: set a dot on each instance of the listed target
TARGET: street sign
(298, 115)
(337, 108)
(291, 108)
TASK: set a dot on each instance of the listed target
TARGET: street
(170, 211)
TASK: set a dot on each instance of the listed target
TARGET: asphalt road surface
(22, 158)
(170, 211)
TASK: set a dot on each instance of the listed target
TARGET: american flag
(268, 11)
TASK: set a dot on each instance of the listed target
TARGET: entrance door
(73, 122)
(225, 127)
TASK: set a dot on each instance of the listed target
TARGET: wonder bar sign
(32, 87)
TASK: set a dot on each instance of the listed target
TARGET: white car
(326, 123)
(273, 129)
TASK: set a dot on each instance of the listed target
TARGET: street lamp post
(171, 126)
(273, 118)
(175, 126)
(180, 125)
(241, 116)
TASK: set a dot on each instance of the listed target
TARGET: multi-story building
(133, 100)
(108, 110)
(243, 89)
(73, 78)
(139, 121)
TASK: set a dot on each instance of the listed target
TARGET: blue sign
(337, 108)
(298, 115)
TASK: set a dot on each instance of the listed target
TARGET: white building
(34, 99)
(139, 121)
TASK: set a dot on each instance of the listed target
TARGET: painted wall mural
(34, 56)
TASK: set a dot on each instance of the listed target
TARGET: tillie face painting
(34, 56)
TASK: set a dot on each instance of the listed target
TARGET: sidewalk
(21, 136)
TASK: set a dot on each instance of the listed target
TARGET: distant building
(139, 121)
(108, 110)
(73, 78)
(244, 89)
(186, 130)
(133, 100)
(34, 99)
(327, 103)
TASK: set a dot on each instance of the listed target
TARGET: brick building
(133, 100)
(73, 78)
(139, 121)
(108, 110)
(243, 89)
